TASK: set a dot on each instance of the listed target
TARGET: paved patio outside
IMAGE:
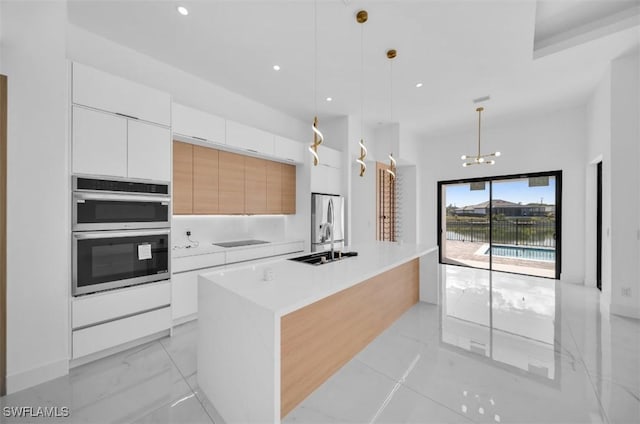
(466, 253)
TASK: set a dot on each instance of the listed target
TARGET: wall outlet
(626, 291)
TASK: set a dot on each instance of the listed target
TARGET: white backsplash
(207, 229)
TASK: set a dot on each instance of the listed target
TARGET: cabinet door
(288, 189)
(182, 178)
(231, 183)
(255, 185)
(274, 187)
(249, 138)
(197, 124)
(287, 149)
(205, 180)
(99, 143)
(184, 294)
(94, 88)
(149, 148)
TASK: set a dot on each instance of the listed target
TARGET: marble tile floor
(499, 348)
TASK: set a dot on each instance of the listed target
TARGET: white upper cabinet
(110, 93)
(196, 124)
(287, 149)
(330, 157)
(249, 138)
(99, 143)
(149, 151)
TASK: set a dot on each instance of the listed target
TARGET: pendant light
(318, 138)
(479, 158)
(362, 17)
(391, 54)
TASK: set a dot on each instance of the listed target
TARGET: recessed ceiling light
(276, 67)
(183, 10)
(329, 99)
(418, 85)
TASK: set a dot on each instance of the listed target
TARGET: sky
(511, 190)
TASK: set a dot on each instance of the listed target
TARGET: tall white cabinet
(120, 128)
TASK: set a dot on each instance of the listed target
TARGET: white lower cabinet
(149, 151)
(99, 143)
(184, 294)
(105, 320)
(104, 336)
(184, 280)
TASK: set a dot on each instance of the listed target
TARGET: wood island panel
(205, 180)
(317, 340)
(255, 185)
(231, 183)
(182, 178)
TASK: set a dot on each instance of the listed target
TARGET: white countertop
(296, 285)
(205, 248)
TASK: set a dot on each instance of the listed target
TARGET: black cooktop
(239, 243)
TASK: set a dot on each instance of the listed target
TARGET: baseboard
(33, 377)
(625, 311)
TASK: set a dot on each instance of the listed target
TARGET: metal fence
(516, 232)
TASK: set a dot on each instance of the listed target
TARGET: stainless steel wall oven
(121, 233)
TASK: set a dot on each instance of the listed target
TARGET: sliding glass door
(507, 223)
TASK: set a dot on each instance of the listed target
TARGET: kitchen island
(270, 334)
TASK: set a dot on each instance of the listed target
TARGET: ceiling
(459, 50)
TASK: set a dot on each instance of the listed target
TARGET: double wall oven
(121, 233)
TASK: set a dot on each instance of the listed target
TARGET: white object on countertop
(268, 274)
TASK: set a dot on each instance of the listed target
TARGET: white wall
(38, 217)
(551, 141)
(625, 178)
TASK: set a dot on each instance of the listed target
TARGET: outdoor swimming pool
(521, 252)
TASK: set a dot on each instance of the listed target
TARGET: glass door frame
(490, 180)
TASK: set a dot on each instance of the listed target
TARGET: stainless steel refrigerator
(327, 215)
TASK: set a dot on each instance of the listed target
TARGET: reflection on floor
(499, 348)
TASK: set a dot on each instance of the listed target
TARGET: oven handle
(112, 234)
(121, 197)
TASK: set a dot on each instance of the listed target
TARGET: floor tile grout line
(187, 382)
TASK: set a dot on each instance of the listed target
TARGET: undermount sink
(321, 258)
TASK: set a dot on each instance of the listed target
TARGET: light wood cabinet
(231, 183)
(288, 189)
(274, 187)
(255, 185)
(182, 178)
(208, 181)
(205, 180)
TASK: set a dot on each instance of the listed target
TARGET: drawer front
(100, 337)
(249, 254)
(101, 307)
(283, 249)
(188, 263)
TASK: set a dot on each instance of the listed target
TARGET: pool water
(520, 252)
